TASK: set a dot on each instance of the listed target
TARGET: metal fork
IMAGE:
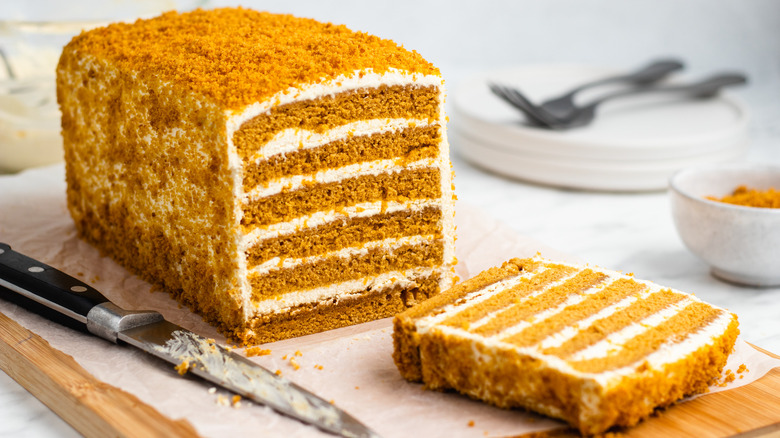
(651, 73)
(582, 116)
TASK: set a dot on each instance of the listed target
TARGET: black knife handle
(46, 285)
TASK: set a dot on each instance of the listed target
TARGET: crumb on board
(256, 351)
(319, 367)
(212, 390)
(727, 378)
(278, 372)
(183, 367)
(294, 364)
(235, 401)
(471, 423)
(298, 353)
(742, 369)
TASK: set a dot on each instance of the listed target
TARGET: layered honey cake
(591, 346)
(279, 175)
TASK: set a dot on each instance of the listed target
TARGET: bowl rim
(674, 186)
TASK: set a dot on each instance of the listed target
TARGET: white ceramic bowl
(741, 244)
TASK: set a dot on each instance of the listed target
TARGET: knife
(150, 332)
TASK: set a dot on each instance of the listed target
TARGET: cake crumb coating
(166, 128)
(236, 56)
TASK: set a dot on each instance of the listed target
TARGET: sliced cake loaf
(593, 347)
(278, 175)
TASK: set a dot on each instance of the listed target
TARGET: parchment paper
(351, 366)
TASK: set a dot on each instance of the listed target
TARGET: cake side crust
(139, 188)
(636, 397)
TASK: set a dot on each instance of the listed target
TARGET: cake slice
(278, 175)
(593, 347)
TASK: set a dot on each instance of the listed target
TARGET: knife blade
(150, 332)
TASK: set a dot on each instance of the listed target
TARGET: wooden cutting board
(96, 409)
(93, 408)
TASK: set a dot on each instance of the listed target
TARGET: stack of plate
(635, 143)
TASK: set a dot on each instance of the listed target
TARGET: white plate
(581, 174)
(631, 131)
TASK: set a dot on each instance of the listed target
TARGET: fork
(653, 72)
(582, 116)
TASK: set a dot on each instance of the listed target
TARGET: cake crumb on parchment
(256, 351)
(183, 367)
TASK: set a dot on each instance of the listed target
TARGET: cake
(278, 175)
(591, 346)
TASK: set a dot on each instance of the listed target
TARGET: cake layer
(402, 185)
(326, 176)
(347, 264)
(530, 307)
(343, 233)
(333, 292)
(360, 304)
(405, 145)
(598, 330)
(592, 346)
(600, 300)
(319, 218)
(327, 112)
(678, 326)
(503, 294)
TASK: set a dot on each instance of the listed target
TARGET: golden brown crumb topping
(749, 197)
(237, 56)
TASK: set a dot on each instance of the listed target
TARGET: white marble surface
(629, 232)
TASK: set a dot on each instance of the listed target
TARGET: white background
(630, 232)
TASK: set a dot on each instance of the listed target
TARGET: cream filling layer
(294, 139)
(344, 290)
(319, 218)
(278, 263)
(371, 168)
(668, 353)
(448, 195)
